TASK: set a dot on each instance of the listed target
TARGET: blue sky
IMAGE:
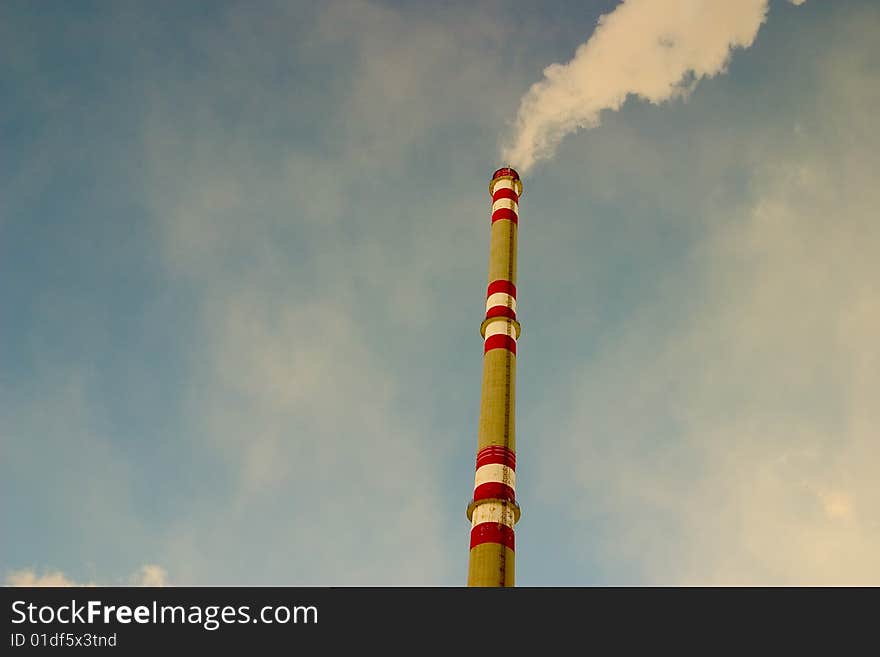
(243, 251)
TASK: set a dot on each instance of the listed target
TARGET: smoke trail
(655, 49)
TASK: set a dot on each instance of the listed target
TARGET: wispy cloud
(146, 575)
(312, 290)
(729, 434)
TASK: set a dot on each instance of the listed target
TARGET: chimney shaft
(493, 512)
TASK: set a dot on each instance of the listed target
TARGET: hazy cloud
(27, 577)
(146, 575)
(730, 431)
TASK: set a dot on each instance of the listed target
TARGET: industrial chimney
(493, 510)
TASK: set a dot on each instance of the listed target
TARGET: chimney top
(506, 171)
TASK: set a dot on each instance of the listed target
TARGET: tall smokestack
(493, 510)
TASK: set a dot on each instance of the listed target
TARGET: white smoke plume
(655, 49)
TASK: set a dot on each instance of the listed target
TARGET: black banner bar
(148, 620)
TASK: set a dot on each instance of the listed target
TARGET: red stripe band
(500, 311)
(494, 490)
(505, 192)
(501, 286)
(504, 213)
(500, 341)
(491, 532)
(505, 171)
(496, 454)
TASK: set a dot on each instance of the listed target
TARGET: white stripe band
(500, 326)
(493, 512)
(495, 472)
(508, 203)
(501, 299)
(503, 184)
